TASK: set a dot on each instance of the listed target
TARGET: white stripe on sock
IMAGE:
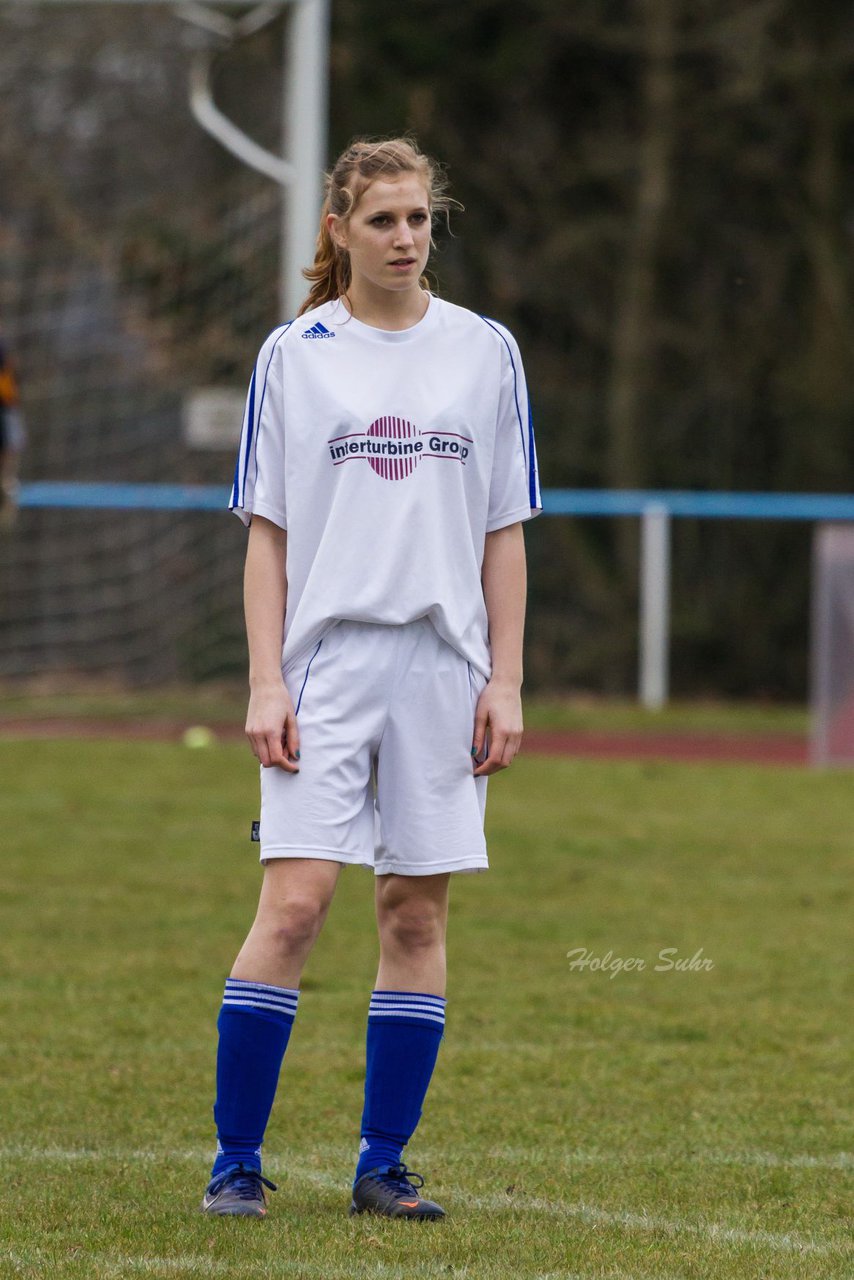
(374, 1014)
(381, 994)
(260, 995)
(391, 997)
(241, 984)
(261, 1004)
(404, 1004)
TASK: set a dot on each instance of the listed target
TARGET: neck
(384, 308)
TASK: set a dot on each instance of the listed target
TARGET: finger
(278, 756)
(258, 744)
(493, 761)
(489, 767)
(479, 732)
(292, 738)
(275, 749)
(511, 749)
(288, 755)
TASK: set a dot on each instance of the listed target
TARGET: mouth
(402, 262)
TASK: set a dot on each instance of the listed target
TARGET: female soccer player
(385, 466)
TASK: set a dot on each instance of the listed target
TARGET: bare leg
(412, 916)
(295, 898)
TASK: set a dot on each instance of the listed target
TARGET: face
(388, 234)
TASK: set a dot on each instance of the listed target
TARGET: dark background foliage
(658, 202)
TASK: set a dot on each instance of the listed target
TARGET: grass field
(650, 1125)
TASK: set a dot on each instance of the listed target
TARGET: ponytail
(330, 275)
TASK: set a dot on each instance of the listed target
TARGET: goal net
(138, 267)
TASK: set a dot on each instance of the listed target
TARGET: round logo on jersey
(399, 456)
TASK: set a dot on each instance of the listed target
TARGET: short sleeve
(514, 490)
(259, 474)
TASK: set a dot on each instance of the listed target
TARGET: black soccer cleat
(391, 1193)
(238, 1193)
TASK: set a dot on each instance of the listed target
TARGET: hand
(271, 727)
(498, 715)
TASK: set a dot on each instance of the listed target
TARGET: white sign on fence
(213, 417)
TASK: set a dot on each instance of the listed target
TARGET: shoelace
(245, 1182)
(399, 1178)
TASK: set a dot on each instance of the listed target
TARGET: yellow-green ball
(198, 735)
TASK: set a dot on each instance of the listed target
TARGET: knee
(296, 923)
(412, 926)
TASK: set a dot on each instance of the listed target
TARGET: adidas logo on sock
(364, 1146)
(318, 331)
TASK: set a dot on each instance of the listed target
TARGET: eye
(380, 220)
(419, 218)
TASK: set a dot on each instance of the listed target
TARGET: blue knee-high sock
(404, 1032)
(254, 1027)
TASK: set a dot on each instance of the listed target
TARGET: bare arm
(271, 725)
(499, 708)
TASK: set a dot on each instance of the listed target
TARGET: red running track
(775, 749)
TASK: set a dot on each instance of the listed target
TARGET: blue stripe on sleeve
(536, 502)
(234, 487)
(525, 451)
(250, 431)
(253, 429)
(264, 391)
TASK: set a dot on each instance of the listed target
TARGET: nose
(403, 234)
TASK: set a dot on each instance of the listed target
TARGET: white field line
(120, 1265)
(843, 1160)
(711, 1232)
(746, 1159)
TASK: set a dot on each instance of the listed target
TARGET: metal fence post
(654, 638)
(305, 110)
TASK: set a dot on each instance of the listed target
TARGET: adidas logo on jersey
(318, 331)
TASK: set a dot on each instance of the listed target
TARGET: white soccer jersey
(387, 456)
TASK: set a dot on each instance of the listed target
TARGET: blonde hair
(353, 172)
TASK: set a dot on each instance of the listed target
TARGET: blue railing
(138, 497)
(556, 502)
(654, 508)
(705, 505)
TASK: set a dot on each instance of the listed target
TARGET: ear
(337, 229)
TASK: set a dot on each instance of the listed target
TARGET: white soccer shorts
(386, 721)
